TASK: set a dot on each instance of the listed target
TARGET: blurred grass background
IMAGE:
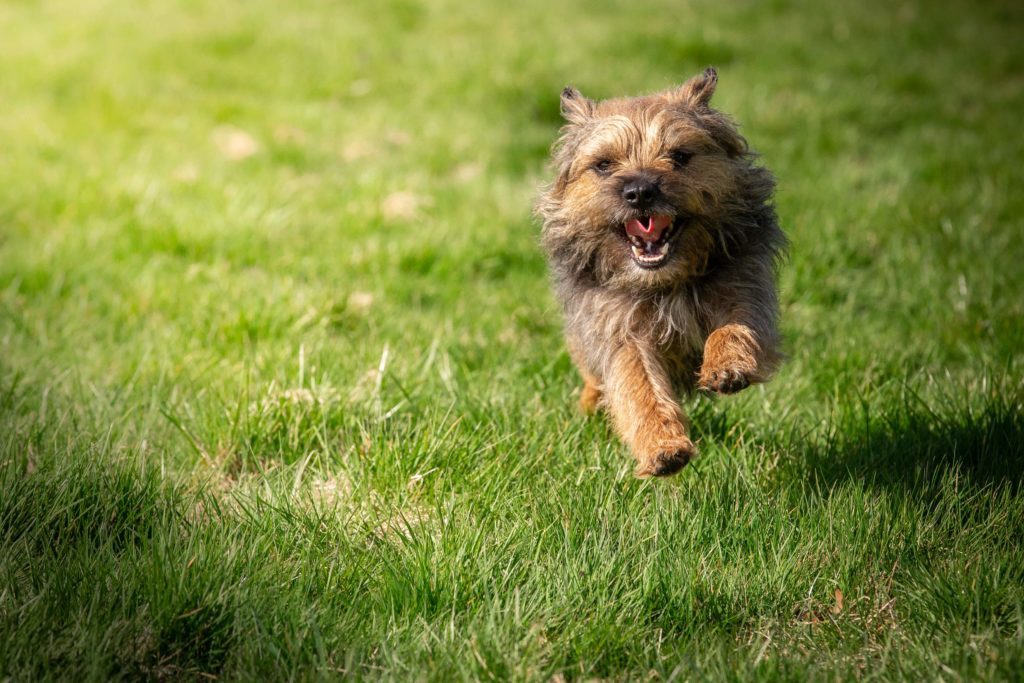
(283, 391)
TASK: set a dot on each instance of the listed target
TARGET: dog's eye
(680, 157)
(603, 167)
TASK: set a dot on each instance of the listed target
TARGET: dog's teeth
(649, 253)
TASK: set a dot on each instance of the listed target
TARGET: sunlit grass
(283, 390)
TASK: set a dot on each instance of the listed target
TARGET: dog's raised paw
(725, 381)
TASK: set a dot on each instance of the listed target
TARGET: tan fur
(590, 395)
(707, 317)
(645, 413)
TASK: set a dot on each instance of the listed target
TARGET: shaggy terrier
(663, 245)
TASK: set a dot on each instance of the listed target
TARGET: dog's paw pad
(724, 381)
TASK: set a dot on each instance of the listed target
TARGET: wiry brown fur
(707, 317)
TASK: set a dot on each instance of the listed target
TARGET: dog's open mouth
(650, 239)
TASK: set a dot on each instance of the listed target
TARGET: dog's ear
(698, 90)
(575, 107)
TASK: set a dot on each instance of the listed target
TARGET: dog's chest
(669, 324)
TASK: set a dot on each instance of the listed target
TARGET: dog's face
(642, 185)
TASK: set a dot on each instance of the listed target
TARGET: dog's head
(644, 185)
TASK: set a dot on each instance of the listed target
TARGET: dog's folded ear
(575, 107)
(698, 90)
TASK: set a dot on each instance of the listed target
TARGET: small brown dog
(663, 244)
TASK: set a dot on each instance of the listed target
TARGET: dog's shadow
(910, 447)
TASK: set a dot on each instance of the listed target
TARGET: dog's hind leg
(590, 395)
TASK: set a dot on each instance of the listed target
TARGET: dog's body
(663, 245)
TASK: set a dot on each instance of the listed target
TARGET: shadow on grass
(914, 446)
(896, 441)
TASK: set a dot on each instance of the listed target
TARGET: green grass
(283, 392)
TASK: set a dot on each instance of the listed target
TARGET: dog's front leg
(736, 356)
(640, 400)
(743, 338)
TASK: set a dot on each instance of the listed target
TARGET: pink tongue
(650, 228)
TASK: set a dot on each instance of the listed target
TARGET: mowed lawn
(283, 392)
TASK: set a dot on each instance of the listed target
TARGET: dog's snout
(640, 192)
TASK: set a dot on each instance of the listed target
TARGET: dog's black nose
(639, 192)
